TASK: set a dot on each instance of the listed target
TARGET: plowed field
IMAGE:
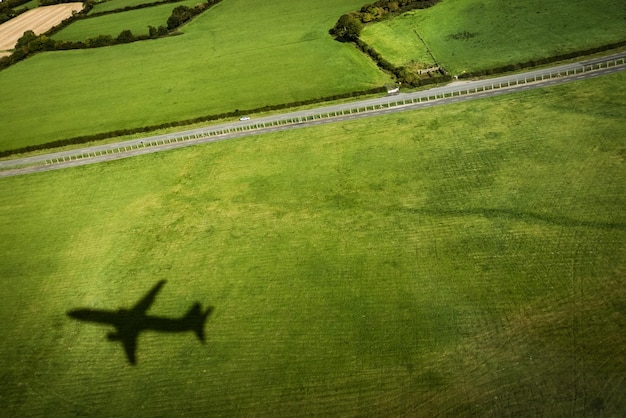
(38, 20)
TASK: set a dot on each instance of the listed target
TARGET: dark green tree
(347, 28)
(26, 39)
(161, 30)
(125, 36)
(99, 41)
(180, 15)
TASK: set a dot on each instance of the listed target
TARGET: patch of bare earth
(38, 20)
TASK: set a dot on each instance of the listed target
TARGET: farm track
(38, 20)
(471, 90)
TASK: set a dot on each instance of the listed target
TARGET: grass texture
(466, 35)
(137, 21)
(106, 6)
(240, 54)
(466, 260)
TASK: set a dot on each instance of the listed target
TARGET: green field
(137, 21)
(106, 6)
(466, 35)
(240, 54)
(467, 260)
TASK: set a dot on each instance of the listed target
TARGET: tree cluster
(9, 9)
(382, 9)
(180, 15)
(349, 26)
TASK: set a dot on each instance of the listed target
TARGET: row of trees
(382, 9)
(349, 26)
(183, 14)
(129, 8)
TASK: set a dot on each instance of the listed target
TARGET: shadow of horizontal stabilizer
(129, 323)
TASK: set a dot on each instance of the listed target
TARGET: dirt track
(38, 20)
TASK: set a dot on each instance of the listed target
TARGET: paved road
(470, 90)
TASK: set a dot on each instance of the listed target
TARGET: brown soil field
(38, 20)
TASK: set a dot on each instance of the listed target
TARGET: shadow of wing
(148, 300)
(92, 315)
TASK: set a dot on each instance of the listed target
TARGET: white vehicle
(244, 118)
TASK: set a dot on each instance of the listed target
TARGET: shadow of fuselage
(130, 322)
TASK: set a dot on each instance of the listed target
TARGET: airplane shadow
(129, 323)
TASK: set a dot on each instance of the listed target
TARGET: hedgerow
(30, 43)
(145, 129)
(348, 29)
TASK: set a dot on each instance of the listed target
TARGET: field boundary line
(404, 101)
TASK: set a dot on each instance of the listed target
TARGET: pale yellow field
(38, 20)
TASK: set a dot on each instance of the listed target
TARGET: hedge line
(348, 29)
(145, 129)
(383, 9)
(402, 74)
(129, 8)
(542, 61)
(30, 43)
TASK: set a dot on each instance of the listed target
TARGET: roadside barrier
(216, 132)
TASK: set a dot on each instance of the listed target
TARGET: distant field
(466, 35)
(105, 6)
(30, 5)
(137, 21)
(398, 41)
(467, 260)
(241, 54)
(39, 20)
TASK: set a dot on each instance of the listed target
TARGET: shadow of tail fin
(197, 319)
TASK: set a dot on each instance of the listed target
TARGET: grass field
(137, 21)
(240, 54)
(467, 260)
(466, 35)
(106, 6)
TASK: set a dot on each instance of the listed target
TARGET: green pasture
(137, 21)
(467, 260)
(240, 54)
(106, 6)
(468, 35)
(398, 41)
